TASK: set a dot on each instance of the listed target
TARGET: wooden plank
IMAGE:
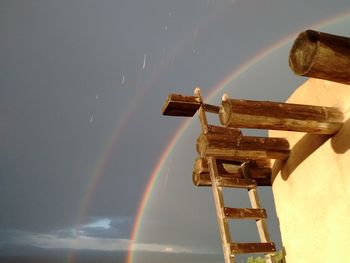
(179, 105)
(280, 116)
(245, 213)
(219, 206)
(321, 55)
(247, 248)
(243, 147)
(235, 182)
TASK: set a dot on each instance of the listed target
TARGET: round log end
(201, 145)
(302, 54)
(195, 178)
(224, 113)
(201, 179)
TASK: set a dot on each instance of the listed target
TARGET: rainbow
(156, 172)
(225, 83)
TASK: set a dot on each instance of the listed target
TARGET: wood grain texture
(211, 108)
(321, 55)
(242, 147)
(219, 206)
(244, 213)
(179, 105)
(222, 130)
(247, 248)
(228, 167)
(280, 116)
(255, 170)
(203, 179)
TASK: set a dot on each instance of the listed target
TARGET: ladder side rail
(261, 223)
(219, 207)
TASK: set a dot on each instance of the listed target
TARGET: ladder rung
(235, 182)
(245, 213)
(247, 248)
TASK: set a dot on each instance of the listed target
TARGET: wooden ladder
(223, 214)
(187, 106)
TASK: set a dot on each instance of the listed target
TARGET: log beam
(228, 167)
(280, 116)
(242, 147)
(259, 171)
(321, 55)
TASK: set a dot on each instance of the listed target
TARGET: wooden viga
(280, 116)
(232, 171)
(321, 55)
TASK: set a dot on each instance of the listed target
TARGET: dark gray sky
(84, 81)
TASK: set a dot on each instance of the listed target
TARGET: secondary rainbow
(156, 172)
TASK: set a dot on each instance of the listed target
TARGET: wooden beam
(280, 116)
(223, 130)
(228, 167)
(242, 147)
(260, 171)
(203, 179)
(321, 55)
(179, 105)
(256, 170)
(245, 213)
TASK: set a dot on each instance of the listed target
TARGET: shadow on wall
(308, 144)
(341, 140)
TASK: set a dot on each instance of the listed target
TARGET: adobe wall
(312, 188)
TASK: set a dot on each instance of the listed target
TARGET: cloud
(100, 223)
(99, 233)
(82, 242)
(106, 227)
(78, 242)
(77, 239)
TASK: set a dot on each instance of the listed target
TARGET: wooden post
(280, 116)
(242, 147)
(320, 55)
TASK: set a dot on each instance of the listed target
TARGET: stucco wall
(312, 188)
